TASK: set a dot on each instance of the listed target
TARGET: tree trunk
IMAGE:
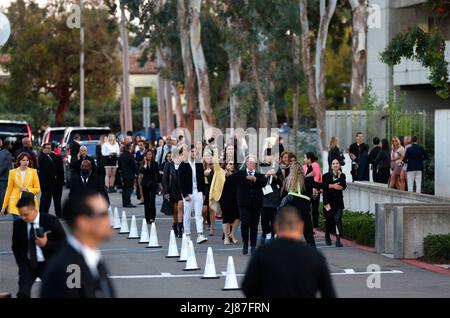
(180, 120)
(189, 76)
(262, 100)
(63, 105)
(235, 79)
(201, 68)
(161, 106)
(169, 105)
(359, 47)
(316, 81)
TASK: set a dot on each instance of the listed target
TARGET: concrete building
(408, 78)
(141, 76)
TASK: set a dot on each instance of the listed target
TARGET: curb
(413, 262)
(350, 243)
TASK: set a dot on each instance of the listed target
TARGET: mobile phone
(40, 232)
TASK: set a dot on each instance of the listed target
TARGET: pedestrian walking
(287, 267)
(48, 172)
(128, 172)
(300, 191)
(334, 183)
(397, 154)
(209, 215)
(6, 164)
(192, 187)
(74, 146)
(75, 163)
(89, 224)
(249, 184)
(359, 155)
(171, 191)
(21, 179)
(27, 147)
(87, 181)
(148, 180)
(100, 158)
(110, 152)
(372, 156)
(36, 238)
(334, 152)
(313, 170)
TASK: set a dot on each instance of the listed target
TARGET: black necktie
(32, 247)
(102, 281)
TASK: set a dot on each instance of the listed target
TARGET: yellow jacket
(15, 182)
(218, 181)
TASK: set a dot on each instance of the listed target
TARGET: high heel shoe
(234, 240)
(226, 241)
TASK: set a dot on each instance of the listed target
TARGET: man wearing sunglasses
(78, 270)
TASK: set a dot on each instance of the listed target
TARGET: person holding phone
(36, 238)
(334, 183)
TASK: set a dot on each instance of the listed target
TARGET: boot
(245, 249)
(327, 239)
(175, 228)
(180, 230)
(338, 241)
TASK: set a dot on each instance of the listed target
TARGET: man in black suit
(415, 155)
(192, 187)
(77, 270)
(359, 169)
(60, 180)
(128, 171)
(249, 198)
(287, 267)
(36, 238)
(28, 148)
(87, 180)
(49, 177)
(75, 163)
(373, 155)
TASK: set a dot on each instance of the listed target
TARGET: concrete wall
(442, 152)
(363, 196)
(401, 228)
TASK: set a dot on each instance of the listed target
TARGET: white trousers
(416, 176)
(196, 202)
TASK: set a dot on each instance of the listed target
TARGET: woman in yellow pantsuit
(22, 179)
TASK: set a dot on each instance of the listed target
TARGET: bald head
(26, 142)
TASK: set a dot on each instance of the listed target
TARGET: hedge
(357, 226)
(436, 248)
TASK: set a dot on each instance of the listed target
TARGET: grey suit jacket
(5, 164)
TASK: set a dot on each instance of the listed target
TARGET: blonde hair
(296, 177)
(395, 139)
(333, 143)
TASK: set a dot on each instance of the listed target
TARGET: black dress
(228, 202)
(149, 186)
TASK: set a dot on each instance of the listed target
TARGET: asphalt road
(138, 271)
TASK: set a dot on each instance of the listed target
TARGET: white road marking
(168, 275)
(349, 270)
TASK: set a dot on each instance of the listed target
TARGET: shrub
(436, 248)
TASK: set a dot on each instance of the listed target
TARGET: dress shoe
(338, 242)
(327, 240)
(245, 249)
(252, 249)
(129, 206)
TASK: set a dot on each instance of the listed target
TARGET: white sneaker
(201, 239)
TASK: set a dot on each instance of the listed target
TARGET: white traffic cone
(111, 216)
(124, 224)
(133, 229)
(231, 279)
(184, 248)
(191, 263)
(144, 232)
(173, 248)
(116, 221)
(210, 268)
(153, 241)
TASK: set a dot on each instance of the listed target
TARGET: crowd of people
(399, 165)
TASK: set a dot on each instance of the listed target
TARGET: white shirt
(39, 254)
(91, 257)
(22, 175)
(107, 148)
(194, 176)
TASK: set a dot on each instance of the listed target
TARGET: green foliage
(436, 248)
(428, 48)
(357, 226)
